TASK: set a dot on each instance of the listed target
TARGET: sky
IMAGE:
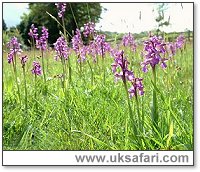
(122, 17)
(13, 11)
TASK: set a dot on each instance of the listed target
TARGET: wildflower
(92, 50)
(14, 46)
(61, 9)
(154, 48)
(42, 42)
(61, 48)
(33, 32)
(121, 63)
(37, 70)
(10, 57)
(180, 41)
(23, 60)
(89, 29)
(120, 70)
(137, 86)
(115, 52)
(171, 49)
(83, 53)
(77, 42)
(101, 45)
(128, 40)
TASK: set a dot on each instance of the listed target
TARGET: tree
(160, 19)
(188, 34)
(75, 16)
(4, 25)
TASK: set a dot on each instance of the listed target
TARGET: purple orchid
(14, 46)
(41, 43)
(83, 54)
(61, 9)
(128, 40)
(101, 45)
(137, 86)
(77, 42)
(61, 48)
(33, 32)
(89, 29)
(115, 52)
(180, 41)
(37, 70)
(92, 50)
(10, 57)
(171, 49)
(23, 60)
(120, 70)
(121, 63)
(77, 45)
(154, 48)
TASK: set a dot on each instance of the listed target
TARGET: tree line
(76, 15)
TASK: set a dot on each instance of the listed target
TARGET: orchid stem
(130, 109)
(69, 65)
(92, 75)
(154, 113)
(138, 112)
(25, 91)
(44, 73)
(15, 73)
(36, 93)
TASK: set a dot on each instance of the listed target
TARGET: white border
(142, 158)
(196, 88)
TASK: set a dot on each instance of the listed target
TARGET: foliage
(7, 35)
(83, 12)
(160, 19)
(4, 25)
(71, 101)
(100, 118)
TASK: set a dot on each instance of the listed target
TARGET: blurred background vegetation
(83, 12)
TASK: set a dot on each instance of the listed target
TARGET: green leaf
(95, 139)
(58, 22)
(169, 107)
(171, 130)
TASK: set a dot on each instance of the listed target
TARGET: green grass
(99, 112)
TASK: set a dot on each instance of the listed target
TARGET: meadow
(96, 95)
(98, 110)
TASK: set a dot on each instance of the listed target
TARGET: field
(94, 114)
